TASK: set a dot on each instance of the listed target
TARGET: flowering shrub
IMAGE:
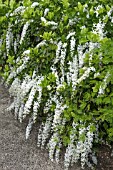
(57, 58)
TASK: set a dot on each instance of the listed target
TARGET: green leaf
(27, 2)
(65, 3)
(80, 7)
(12, 4)
(66, 140)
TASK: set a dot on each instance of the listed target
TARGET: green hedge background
(57, 58)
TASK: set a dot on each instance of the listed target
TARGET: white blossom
(72, 75)
(29, 128)
(15, 46)
(37, 103)
(57, 115)
(24, 31)
(86, 74)
(20, 112)
(18, 10)
(99, 29)
(103, 85)
(55, 139)
(59, 46)
(34, 4)
(41, 44)
(46, 129)
(81, 54)
(48, 22)
(23, 66)
(70, 35)
(70, 155)
(73, 21)
(48, 104)
(46, 11)
(8, 39)
(97, 9)
(57, 153)
(32, 93)
(62, 60)
(85, 9)
(11, 107)
(26, 52)
(72, 45)
(39, 141)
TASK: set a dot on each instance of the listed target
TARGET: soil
(18, 154)
(105, 158)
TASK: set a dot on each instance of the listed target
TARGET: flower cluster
(9, 39)
(48, 22)
(104, 84)
(24, 31)
(18, 10)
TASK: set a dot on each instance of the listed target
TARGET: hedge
(57, 58)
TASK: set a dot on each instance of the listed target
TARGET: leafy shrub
(57, 58)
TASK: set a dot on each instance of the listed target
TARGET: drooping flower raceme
(103, 85)
(29, 127)
(9, 37)
(24, 31)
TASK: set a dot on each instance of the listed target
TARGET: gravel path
(15, 152)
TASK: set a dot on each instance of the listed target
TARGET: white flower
(85, 8)
(18, 10)
(87, 16)
(103, 85)
(37, 103)
(96, 75)
(72, 75)
(62, 60)
(83, 27)
(70, 35)
(57, 115)
(73, 21)
(49, 87)
(59, 45)
(8, 39)
(72, 45)
(24, 31)
(20, 112)
(29, 101)
(57, 153)
(55, 139)
(46, 129)
(15, 46)
(48, 22)
(70, 155)
(86, 74)
(40, 135)
(29, 128)
(81, 54)
(35, 87)
(46, 11)
(41, 44)
(23, 66)
(43, 19)
(11, 107)
(34, 4)
(52, 23)
(99, 29)
(97, 9)
(26, 52)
